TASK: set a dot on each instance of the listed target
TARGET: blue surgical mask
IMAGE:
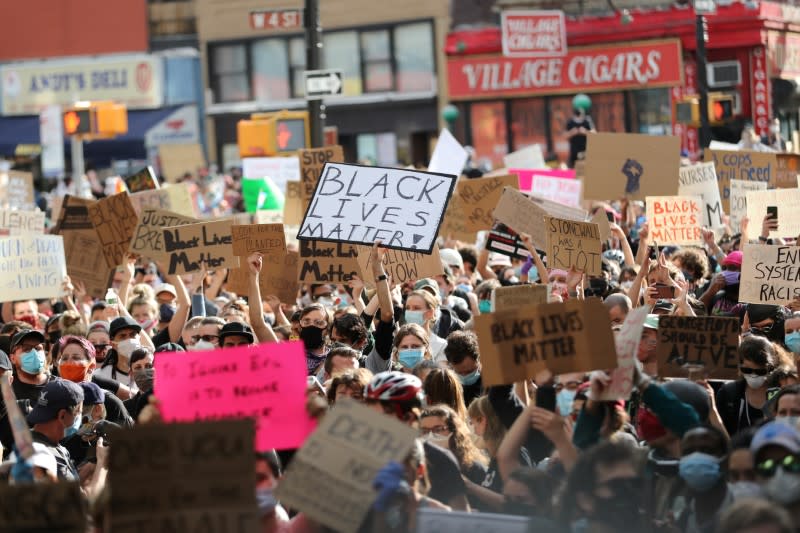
(409, 358)
(471, 378)
(464, 287)
(792, 341)
(415, 317)
(564, 399)
(33, 362)
(266, 500)
(485, 306)
(73, 429)
(700, 471)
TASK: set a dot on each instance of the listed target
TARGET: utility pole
(701, 36)
(316, 108)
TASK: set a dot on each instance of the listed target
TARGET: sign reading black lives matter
(359, 204)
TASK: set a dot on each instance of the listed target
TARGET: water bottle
(198, 304)
(111, 298)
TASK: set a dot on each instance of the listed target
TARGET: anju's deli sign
(641, 64)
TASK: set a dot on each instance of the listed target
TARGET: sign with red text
(528, 175)
(560, 190)
(533, 33)
(265, 382)
(675, 219)
(629, 65)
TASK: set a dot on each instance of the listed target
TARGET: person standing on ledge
(578, 126)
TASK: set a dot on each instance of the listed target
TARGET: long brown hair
(442, 386)
(481, 407)
(461, 443)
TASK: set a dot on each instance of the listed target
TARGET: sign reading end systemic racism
(562, 337)
(770, 274)
(707, 345)
(359, 205)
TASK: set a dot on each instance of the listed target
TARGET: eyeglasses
(206, 338)
(761, 330)
(306, 322)
(441, 431)
(100, 347)
(790, 463)
(757, 371)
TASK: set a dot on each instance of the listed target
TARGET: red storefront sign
(759, 79)
(533, 33)
(634, 65)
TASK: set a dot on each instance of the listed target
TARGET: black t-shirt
(162, 337)
(116, 411)
(577, 143)
(107, 384)
(26, 391)
(444, 474)
(472, 391)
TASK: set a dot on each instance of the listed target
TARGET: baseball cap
(733, 258)
(24, 334)
(169, 347)
(5, 362)
(56, 395)
(122, 323)
(427, 284)
(92, 393)
(166, 287)
(665, 306)
(651, 322)
(451, 257)
(98, 325)
(496, 259)
(236, 328)
(775, 434)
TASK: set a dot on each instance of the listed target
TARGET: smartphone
(610, 216)
(772, 212)
(665, 292)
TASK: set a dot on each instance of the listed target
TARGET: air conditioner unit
(724, 74)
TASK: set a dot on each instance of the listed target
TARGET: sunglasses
(790, 464)
(757, 371)
(206, 338)
(100, 347)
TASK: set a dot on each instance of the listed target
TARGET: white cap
(496, 259)
(451, 257)
(167, 287)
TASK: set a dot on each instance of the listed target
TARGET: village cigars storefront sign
(621, 66)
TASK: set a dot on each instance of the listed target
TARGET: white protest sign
(528, 157)
(439, 521)
(31, 267)
(738, 199)
(449, 157)
(17, 222)
(278, 169)
(788, 203)
(626, 341)
(770, 274)
(701, 180)
(359, 204)
(561, 190)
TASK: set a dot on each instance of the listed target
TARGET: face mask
(792, 421)
(33, 362)
(783, 487)
(438, 440)
(144, 379)
(471, 378)
(699, 470)
(626, 285)
(463, 287)
(147, 325)
(755, 382)
(623, 510)
(201, 346)
(266, 500)
(326, 301)
(312, 337)
(731, 278)
(485, 306)
(409, 358)
(415, 317)
(72, 372)
(564, 399)
(746, 489)
(792, 341)
(73, 429)
(126, 348)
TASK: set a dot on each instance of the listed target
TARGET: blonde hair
(143, 290)
(141, 300)
(481, 407)
(71, 323)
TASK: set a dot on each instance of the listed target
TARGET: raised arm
(544, 277)
(381, 282)
(619, 233)
(262, 330)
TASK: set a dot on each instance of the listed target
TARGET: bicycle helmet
(394, 387)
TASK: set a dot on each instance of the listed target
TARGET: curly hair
(442, 386)
(461, 344)
(461, 443)
(694, 261)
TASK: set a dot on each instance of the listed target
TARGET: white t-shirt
(125, 379)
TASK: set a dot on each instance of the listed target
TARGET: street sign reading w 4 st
(320, 83)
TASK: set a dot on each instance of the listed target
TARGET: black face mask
(624, 509)
(313, 337)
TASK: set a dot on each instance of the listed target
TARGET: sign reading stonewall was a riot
(358, 204)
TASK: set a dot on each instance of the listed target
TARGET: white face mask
(126, 348)
(439, 440)
(783, 487)
(755, 382)
(201, 346)
(789, 420)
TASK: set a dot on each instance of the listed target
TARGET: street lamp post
(316, 108)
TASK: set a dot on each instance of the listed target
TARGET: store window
(230, 78)
(413, 44)
(270, 68)
(652, 112)
(376, 57)
(560, 113)
(608, 112)
(377, 148)
(341, 51)
(527, 123)
(297, 65)
(489, 132)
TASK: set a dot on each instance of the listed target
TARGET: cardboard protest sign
(114, 220)
(17, 222)
(770, 274)
(572, 243)
(603, 225)
(171, 197)
(31, 267)
(340, 459)
(265, 216)
(144, 180)
(706, 344)
(787, 170)
(431, 520)
(509, 298)
(675, 219)
(574, 336)
(528, 175)
(626, 341)
(322, 262)
(293, 206)
(701, 180)
(148, 239)
(519, 213)
(312, 160)
(560, 190)
(265, 382)
(264, 238)
(632, 165)
(210, 242)
(788, 203)
(529, 157)
(359, 204)
(449, 157)
(400, 265)
(82, 246)
(506, 241)
(738, 199)
(478, 199)
(454, 225)
(175, 160)
(741, 165)
(16, 190)
(184, 477)
(30, 507)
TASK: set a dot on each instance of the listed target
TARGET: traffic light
(78, 121)
(687, 111)
(96, 120)
(720, 108)
(271, 134)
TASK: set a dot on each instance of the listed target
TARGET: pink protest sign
(265, 382)
(527, 176)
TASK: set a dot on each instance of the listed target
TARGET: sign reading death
(359, 205)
